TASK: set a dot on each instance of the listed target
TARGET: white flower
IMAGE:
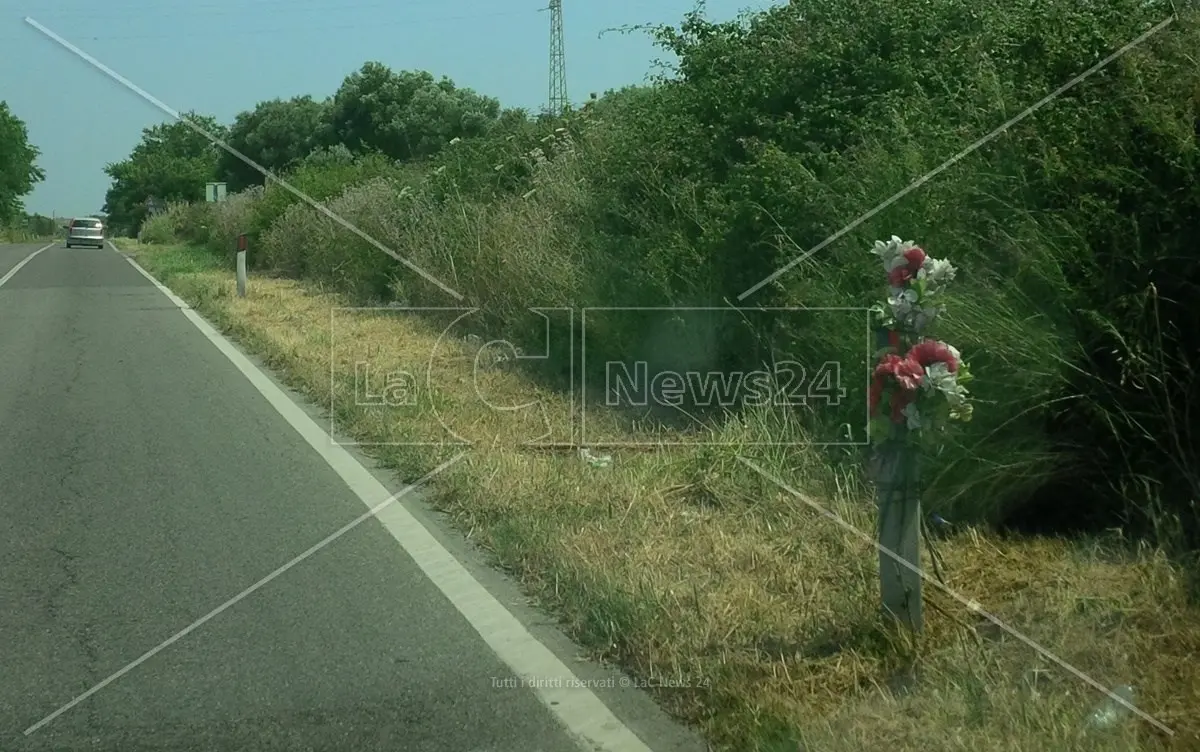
(923, 316)
(936, 272)
(956, 395)
(912, 416)
(939, 377)
(885, 250)
(891, 250)
(455, 140)
(901, 302)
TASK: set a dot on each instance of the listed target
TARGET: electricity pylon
(558, 61)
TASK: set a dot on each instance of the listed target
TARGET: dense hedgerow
(1074, 230)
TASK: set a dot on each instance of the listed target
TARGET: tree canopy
(399, 115)
(19, 172)
(173, 162)
(276, 134)
(406, 115)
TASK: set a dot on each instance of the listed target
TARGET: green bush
(159, 228)
(1073, 231)
(319, 179)
(230, 218)
(780, 131)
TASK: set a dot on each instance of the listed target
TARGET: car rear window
(87, 223)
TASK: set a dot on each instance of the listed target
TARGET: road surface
(145, 481)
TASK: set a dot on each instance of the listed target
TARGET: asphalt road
(144, 481)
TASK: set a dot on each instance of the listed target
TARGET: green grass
(686, 564)
(1072, 233)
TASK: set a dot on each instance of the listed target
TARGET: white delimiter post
(241, 266)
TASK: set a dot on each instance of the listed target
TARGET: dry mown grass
(687, 564)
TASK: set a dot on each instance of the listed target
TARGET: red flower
(915, 258)
(909, 374)
(929, 351)
(899, 276)
(905, 373)
(887, 365)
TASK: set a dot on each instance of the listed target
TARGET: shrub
(780, 130)
(232, 217)
(322, 177)
(159, 228)
(1074, 230)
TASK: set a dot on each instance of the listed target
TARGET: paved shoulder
(144, 483)
(14, 257)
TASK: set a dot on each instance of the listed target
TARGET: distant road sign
(214, 192)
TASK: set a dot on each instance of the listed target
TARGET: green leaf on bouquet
(881, 429)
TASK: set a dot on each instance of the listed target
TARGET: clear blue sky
(220, 57)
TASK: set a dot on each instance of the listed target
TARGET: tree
(173, 162)
(41, 226)
(276, 134)
(19, 172)
(406, 115)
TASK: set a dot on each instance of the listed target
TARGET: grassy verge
(687, 566)
(24, 236)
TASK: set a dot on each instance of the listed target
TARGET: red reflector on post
(241, 242)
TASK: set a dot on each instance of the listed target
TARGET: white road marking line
(13, 271)
(575, 706)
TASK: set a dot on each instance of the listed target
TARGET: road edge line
(570, 701)
(13, 271)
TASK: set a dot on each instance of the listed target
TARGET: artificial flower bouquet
(918, 381)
